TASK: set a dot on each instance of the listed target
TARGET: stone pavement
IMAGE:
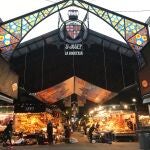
(83, 144)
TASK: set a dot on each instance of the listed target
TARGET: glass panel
(120, 28)
(40, 17)
(132, 28)
(14, 28)
(114, 19)
(8, 50)
(140, 38)
(25, 26)
(106, 18)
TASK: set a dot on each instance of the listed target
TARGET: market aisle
(83, 144)
(80, 146)
(80, 137)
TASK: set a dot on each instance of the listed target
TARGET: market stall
(116, 121)
(31, 123)
(6, 114)
(122, 123)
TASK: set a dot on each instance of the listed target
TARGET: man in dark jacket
(91, 132)
(67, 134)
(7, 135)
(50, 132)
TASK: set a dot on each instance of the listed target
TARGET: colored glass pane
(25, 27)
(100, 13)
(114, 19)
(78, 4)
(120, 28)
(132, 28)
(55, 9)
(31, 19)
(7, 51)
(39, 18)
(140, 38)
(106, 17)
(45, 12)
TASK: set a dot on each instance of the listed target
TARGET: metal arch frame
(134, 32)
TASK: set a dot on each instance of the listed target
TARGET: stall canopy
(77, 86)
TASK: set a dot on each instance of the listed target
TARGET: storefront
(121, 123)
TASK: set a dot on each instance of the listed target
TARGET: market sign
(73, 32)
(73, 49)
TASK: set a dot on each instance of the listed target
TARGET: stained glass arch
(135, 33)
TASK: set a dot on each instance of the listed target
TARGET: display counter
(30, 123)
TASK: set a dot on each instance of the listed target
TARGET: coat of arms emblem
(73, 29)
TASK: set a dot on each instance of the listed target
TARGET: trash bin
(144, 139)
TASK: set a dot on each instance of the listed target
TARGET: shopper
(50, 132)
(7, 135)
(85, 128)
(67, 134)
(91, 132)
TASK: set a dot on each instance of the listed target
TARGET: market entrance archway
(135, 33)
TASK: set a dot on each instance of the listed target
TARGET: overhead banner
(8, 80)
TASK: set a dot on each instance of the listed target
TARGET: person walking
(7, 134)
(67, 134)
(91, 132)
(85, 128)
(50, 132)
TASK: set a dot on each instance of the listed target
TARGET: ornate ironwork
(135, 33)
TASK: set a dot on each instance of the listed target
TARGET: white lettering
(74, 53)
(73, 46)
